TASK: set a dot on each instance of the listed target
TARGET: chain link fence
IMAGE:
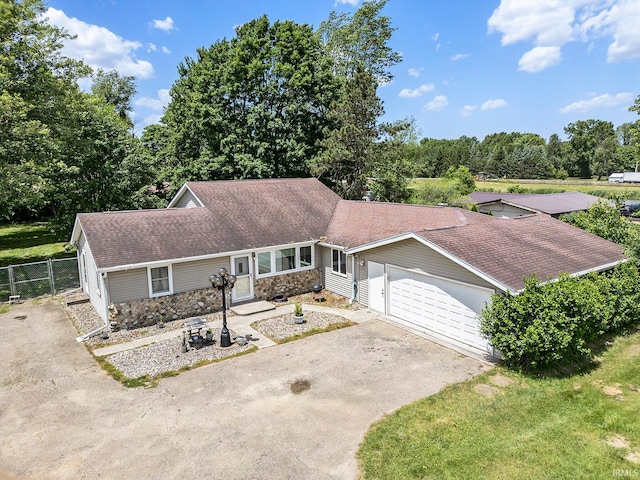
(31, 280)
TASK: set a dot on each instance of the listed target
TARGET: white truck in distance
(626, 177)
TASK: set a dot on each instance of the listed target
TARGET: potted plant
(209, 335)
(298, 314)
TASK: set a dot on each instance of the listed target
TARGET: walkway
(241, 324)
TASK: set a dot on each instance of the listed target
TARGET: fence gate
(31, 280)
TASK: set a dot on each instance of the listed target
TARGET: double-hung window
(160, 282)
(338, 261)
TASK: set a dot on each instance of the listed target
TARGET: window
(160, 282)
(339, 261)
(305, 257)
(264, 263)
(285, 259)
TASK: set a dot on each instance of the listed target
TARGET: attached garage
(442, 308)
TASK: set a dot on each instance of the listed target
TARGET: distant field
(601, 188)
(30, 242)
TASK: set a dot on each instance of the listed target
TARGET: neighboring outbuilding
(519, 204)
(430, 269)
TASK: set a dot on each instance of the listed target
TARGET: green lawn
(535, 428)
(31, 242)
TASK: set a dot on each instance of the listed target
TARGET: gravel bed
(166, 356)
(279, 328)
(86, 320)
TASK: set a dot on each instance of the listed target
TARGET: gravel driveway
(62, 417)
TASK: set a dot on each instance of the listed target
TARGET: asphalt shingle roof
(250, 214)
(550, 203)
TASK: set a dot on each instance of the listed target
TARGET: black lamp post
(221, 281)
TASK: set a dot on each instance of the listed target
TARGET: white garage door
(443, 308)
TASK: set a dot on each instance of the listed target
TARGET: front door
(241, 268)
(376, 287)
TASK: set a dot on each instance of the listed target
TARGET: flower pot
(298, 318)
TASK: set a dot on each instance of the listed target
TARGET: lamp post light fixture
(222, 281)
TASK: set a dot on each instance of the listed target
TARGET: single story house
(430, 269)
(519, 204)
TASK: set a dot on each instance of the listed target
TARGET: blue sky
(470, 67)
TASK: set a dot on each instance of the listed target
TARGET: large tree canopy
(253, 106)
(61, 150)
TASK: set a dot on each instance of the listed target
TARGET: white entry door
(242, 269)
(376, 287)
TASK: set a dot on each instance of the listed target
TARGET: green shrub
(555, 323)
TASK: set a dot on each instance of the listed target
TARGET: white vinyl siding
(188, 276)
(128, 285)
(92, 280)
(412, 254)
(335, 282)
(187, 200)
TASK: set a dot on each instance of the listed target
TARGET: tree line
(278, 99)
(593, 149)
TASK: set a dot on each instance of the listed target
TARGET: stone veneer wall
(287, 285)
(150, 311)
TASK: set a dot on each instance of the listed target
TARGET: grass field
(593, 187)
(579, 427)
(31, 242)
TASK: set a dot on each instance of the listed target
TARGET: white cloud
(549, 24)
(164, 97)
(436, 37)
(165, 50)
(437, 104)
(99, 47)
(459, 56)
(353, 3)
(493, 104)
(415, 72)
(602, 101)
(416, 92)
(152, 47)
(166, 24)
(625, 18)
(539, 58)
(467, 110)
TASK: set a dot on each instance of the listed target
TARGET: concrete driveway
(62, 417)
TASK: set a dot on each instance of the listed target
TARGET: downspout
(354, 284)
